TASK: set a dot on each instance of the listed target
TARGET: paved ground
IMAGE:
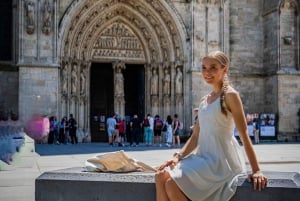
(17, 180)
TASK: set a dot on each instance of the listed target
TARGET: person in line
(256, 130)
(147, 130)
(158, 125)
(176, 131)
(111, 126)
(195, 111)
(122, 126)
(116, 137)
(208, 166)
(56, 134)
(151, 122)
(72, 123)
(136, 126)
(63, 130)
(52, 130)
(169, 136)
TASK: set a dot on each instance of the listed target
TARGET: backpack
(146, 122)
(158, 124)
(180, 126)
(165, 127)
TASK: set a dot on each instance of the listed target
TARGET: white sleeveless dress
(210, 173)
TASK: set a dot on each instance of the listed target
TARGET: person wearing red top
(121, 131)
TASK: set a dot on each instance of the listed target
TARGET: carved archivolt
(133, 30)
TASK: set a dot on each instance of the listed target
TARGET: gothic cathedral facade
(94, 57)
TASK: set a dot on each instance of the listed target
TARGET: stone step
(75, 184)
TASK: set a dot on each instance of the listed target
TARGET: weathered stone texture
(246, 37)
(251, 90)
(270, 43)
(9, 90)
(38, 91)
(288, 103)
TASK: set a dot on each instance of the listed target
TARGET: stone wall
(9, 89)
(38, 91)
(246, 41)
(251, 89)
(288, 103)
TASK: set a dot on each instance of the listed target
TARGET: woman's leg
(160, 182)
(173, 191)
(178, 141)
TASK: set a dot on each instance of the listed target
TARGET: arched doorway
(144, 36)
(102, 96)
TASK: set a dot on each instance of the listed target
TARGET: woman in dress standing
(208, 166)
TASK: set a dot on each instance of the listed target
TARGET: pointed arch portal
(95, 34)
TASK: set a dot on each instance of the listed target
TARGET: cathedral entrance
(101, 99)
(120, 56)
(102, 96)
(134, 76)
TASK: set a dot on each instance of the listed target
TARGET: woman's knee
(170, 184)
(161, 176)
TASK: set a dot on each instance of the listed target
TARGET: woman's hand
(169, 163)
(259, 180)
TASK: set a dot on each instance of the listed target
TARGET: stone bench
(74, 184)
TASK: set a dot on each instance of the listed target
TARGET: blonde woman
(207, 167)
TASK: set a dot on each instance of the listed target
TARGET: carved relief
(118, 41)
(154, 82)
(118, 66)
(288, 6)
(214, 2)
(95, 10)
(30, 14)
(64, 78)
(74, 79)
(47, 18)
(166, 82)
(178, 81)
(83, 74)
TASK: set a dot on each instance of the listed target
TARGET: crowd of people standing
(153, 131)
(62, 132)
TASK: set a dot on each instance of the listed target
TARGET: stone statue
(64, 80)
(154, 82)
(74, 80)
(167, 82)
(30, 17)
(47, 18)
(82, 81)
(119, 82)
(178, 81)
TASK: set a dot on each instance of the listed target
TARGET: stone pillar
(199, 37)
(166, 91)
(213, 26)
(147, 88)
(288, 36)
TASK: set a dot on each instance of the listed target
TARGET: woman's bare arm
(234, 104)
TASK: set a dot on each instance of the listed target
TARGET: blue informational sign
(268, 124)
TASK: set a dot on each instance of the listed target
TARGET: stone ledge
(74, 184)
